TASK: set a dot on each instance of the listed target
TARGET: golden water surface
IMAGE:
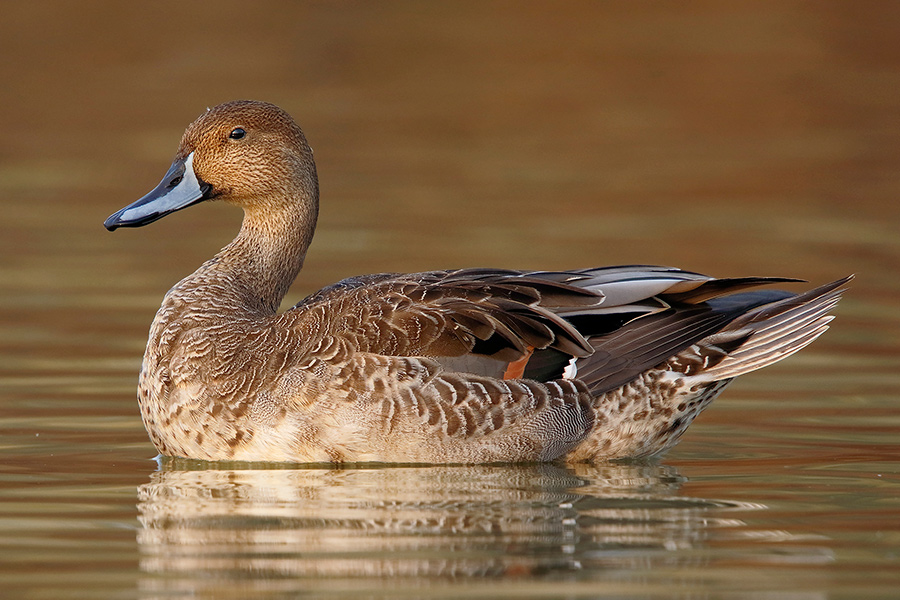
(747, 138)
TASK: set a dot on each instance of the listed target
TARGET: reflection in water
(224, 530)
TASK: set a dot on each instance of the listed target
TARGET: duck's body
(462, 366)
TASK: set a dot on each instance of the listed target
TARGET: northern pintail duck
(458, 366)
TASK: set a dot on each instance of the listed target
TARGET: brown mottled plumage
(465, 366)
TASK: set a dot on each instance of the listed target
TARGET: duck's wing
(494, 313)
(483, 320)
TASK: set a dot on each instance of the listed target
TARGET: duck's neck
(252, 274)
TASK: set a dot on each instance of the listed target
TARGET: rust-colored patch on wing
(516, 368)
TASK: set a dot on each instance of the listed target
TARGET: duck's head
(245, 152)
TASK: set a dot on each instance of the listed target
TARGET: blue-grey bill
(179, 189)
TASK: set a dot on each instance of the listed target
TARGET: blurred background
(730, 138)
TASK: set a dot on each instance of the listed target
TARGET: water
(735, 139)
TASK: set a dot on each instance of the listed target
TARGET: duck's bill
(179, 189)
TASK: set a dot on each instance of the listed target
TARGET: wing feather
(617, 321)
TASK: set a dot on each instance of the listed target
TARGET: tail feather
(649, 388)
(773, 332)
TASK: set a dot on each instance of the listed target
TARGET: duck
(458, 366)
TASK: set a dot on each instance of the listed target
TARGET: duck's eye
(237, 133)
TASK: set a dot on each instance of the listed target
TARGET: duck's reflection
(205, 527)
